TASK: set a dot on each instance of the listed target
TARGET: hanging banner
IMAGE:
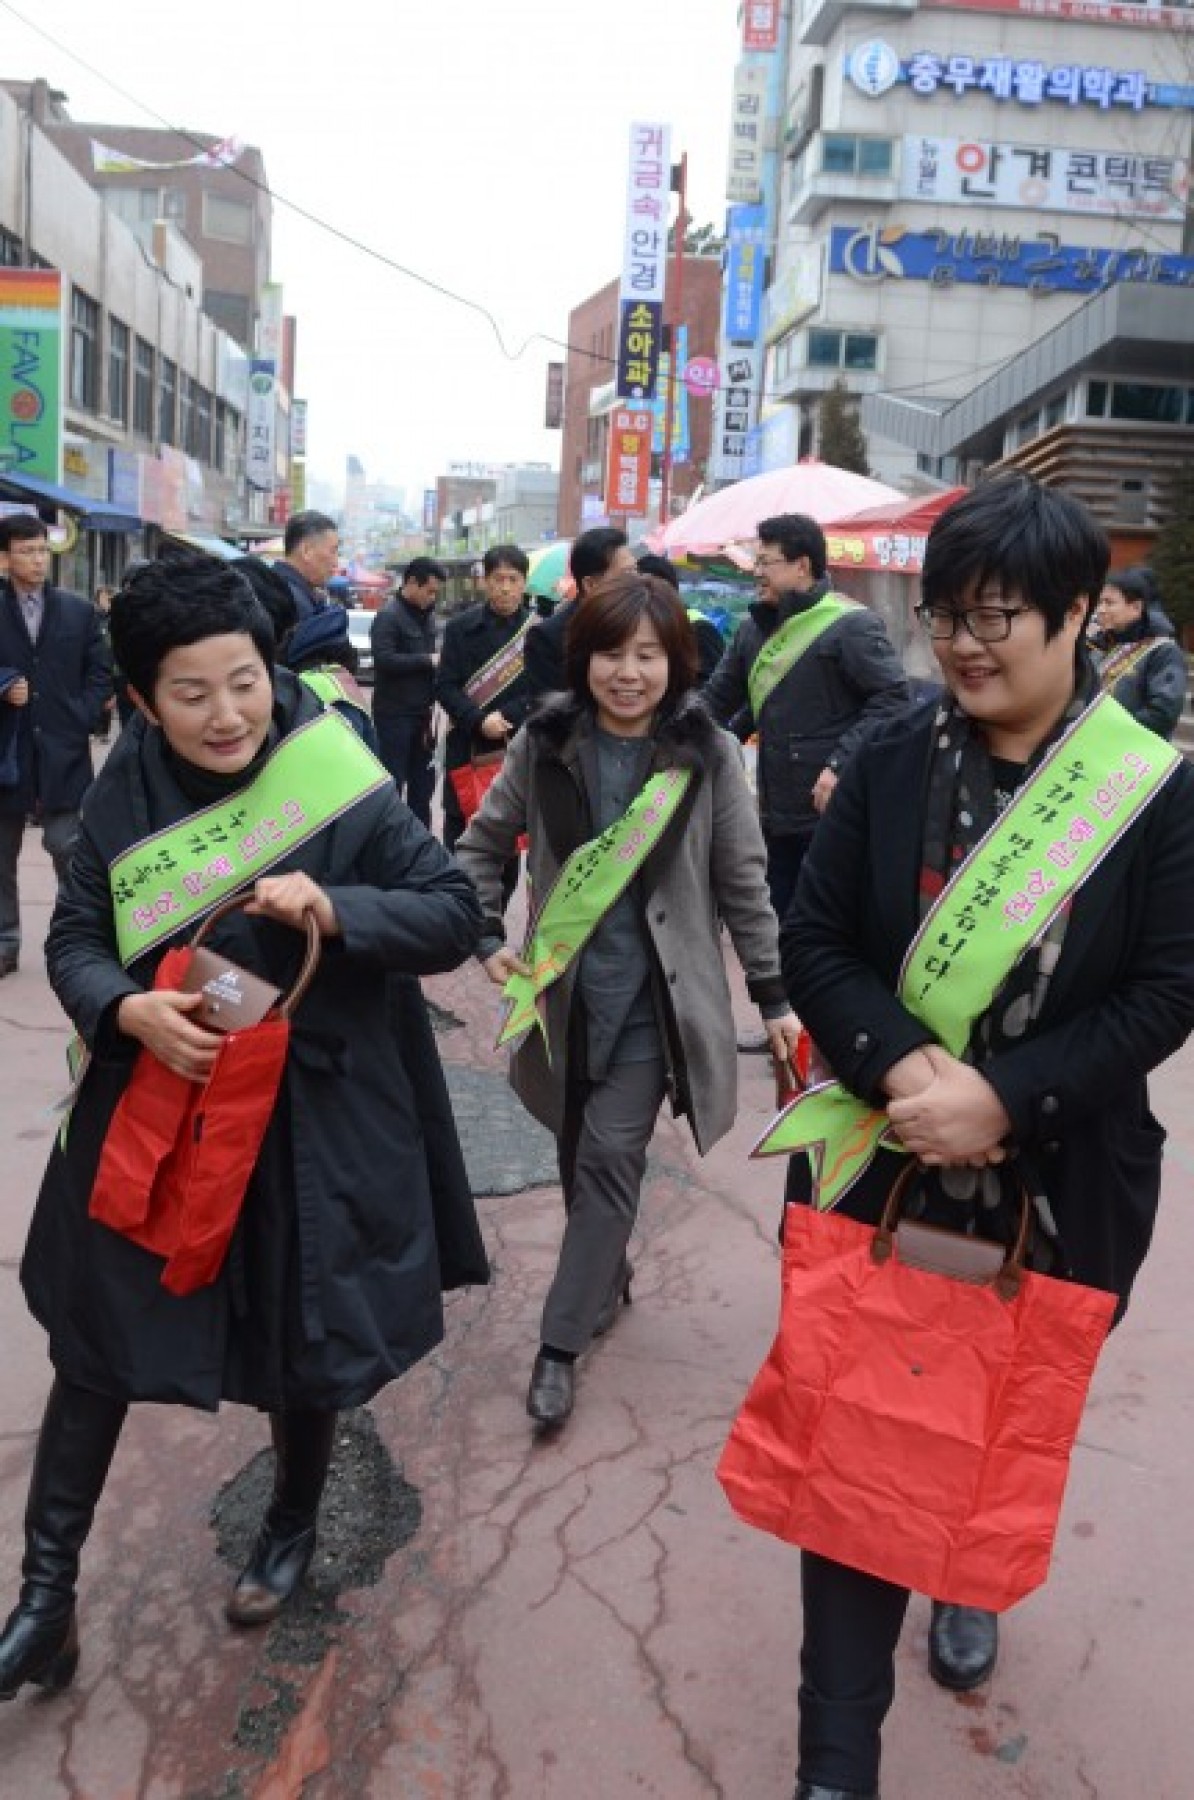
(1115, 184)
(298, 428)
(1041, 263)
(746, 264)
(628, 468)
(679, 397)
(736, 411)
(744, 177)
(260, 428)
(31, 373)
(644, 261)
(105, 160)
(553, 400)
(760, 25)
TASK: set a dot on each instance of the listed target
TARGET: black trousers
(785, 857)
(852, 1624)
(406, 747)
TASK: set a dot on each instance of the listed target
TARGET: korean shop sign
(874, 67)
(1042, 263)
(1111, 183)
(644, 260)
(628, 470)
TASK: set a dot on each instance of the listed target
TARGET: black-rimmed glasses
(986, 624)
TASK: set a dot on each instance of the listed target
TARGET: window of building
(227, 438)
(1150, 405)
(174, 204)
(10, 250)
(1096, 399)
(118, 371)
(844, 155)
(167, 401)
(230, 221)
(201, 446)
(842, 349)
(231, 312)
(143, 388)
(1055, 411)
(186, 413)
(84, 351)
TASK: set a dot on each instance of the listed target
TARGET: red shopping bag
(178, 1154)
(473, 780)
(913, 1424)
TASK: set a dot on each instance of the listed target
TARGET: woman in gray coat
(643, 835)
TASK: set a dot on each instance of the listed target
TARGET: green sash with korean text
(595, 875)
(788, 643)
(168, 881)
(1093, 784)
(501, 671)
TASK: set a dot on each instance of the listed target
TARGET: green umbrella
(549, 570)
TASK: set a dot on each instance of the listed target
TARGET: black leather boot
(286, 1542)
(79, 1432)
(963, 1645)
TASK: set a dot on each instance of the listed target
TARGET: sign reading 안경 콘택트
(1111, 183)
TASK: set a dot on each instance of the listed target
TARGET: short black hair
(18, 527)
(302, 525)
(796, 535)
(662, 567)
(168, 604)
(1034, 541)
(1133, 585)
(593, 551)
(505, 556)
(421, 570)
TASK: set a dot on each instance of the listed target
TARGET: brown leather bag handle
(1009, 1277)
(237, 903)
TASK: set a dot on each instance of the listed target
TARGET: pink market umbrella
(730, 518)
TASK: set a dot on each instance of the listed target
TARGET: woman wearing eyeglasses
(1051, 1083)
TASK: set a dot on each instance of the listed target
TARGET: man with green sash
(810, 672)
(481, 680)
(992, 945)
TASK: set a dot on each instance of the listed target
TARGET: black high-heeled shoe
(620, 1291)
(42, 1649)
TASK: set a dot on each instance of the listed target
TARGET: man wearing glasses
(815, 672)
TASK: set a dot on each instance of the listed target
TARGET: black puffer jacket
(815, 718)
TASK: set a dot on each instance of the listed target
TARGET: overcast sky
(482, 143)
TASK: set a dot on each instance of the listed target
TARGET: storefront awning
(211, 546)
(93, 515)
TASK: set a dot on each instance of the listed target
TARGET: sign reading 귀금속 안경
(1107, 183)
(874, 67)
(644, 261)
(1042, 264)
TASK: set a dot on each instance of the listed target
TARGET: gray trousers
(603, 1153)
(59, 831)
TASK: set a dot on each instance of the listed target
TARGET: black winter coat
(70, 677)
(1120, 1000)
(332, 1286)
(1154, 692)
(848, 680)
(403, 639)
(545, 652)
(471, 639)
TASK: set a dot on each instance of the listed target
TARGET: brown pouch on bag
(233, 998)
(952, 1253)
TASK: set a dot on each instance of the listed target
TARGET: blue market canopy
(93, 515)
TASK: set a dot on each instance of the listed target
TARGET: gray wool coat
(709, 866)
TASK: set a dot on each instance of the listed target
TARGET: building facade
(954, 183)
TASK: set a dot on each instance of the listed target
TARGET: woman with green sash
(992, 944)
(643, 835)
(233, 779)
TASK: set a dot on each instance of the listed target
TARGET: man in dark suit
(404, 662)
(594, 555)
(56, 672)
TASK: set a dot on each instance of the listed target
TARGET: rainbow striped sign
(31, 373)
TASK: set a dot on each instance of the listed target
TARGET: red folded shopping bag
(473, 780)
(178, 1154)
(914, 1424)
